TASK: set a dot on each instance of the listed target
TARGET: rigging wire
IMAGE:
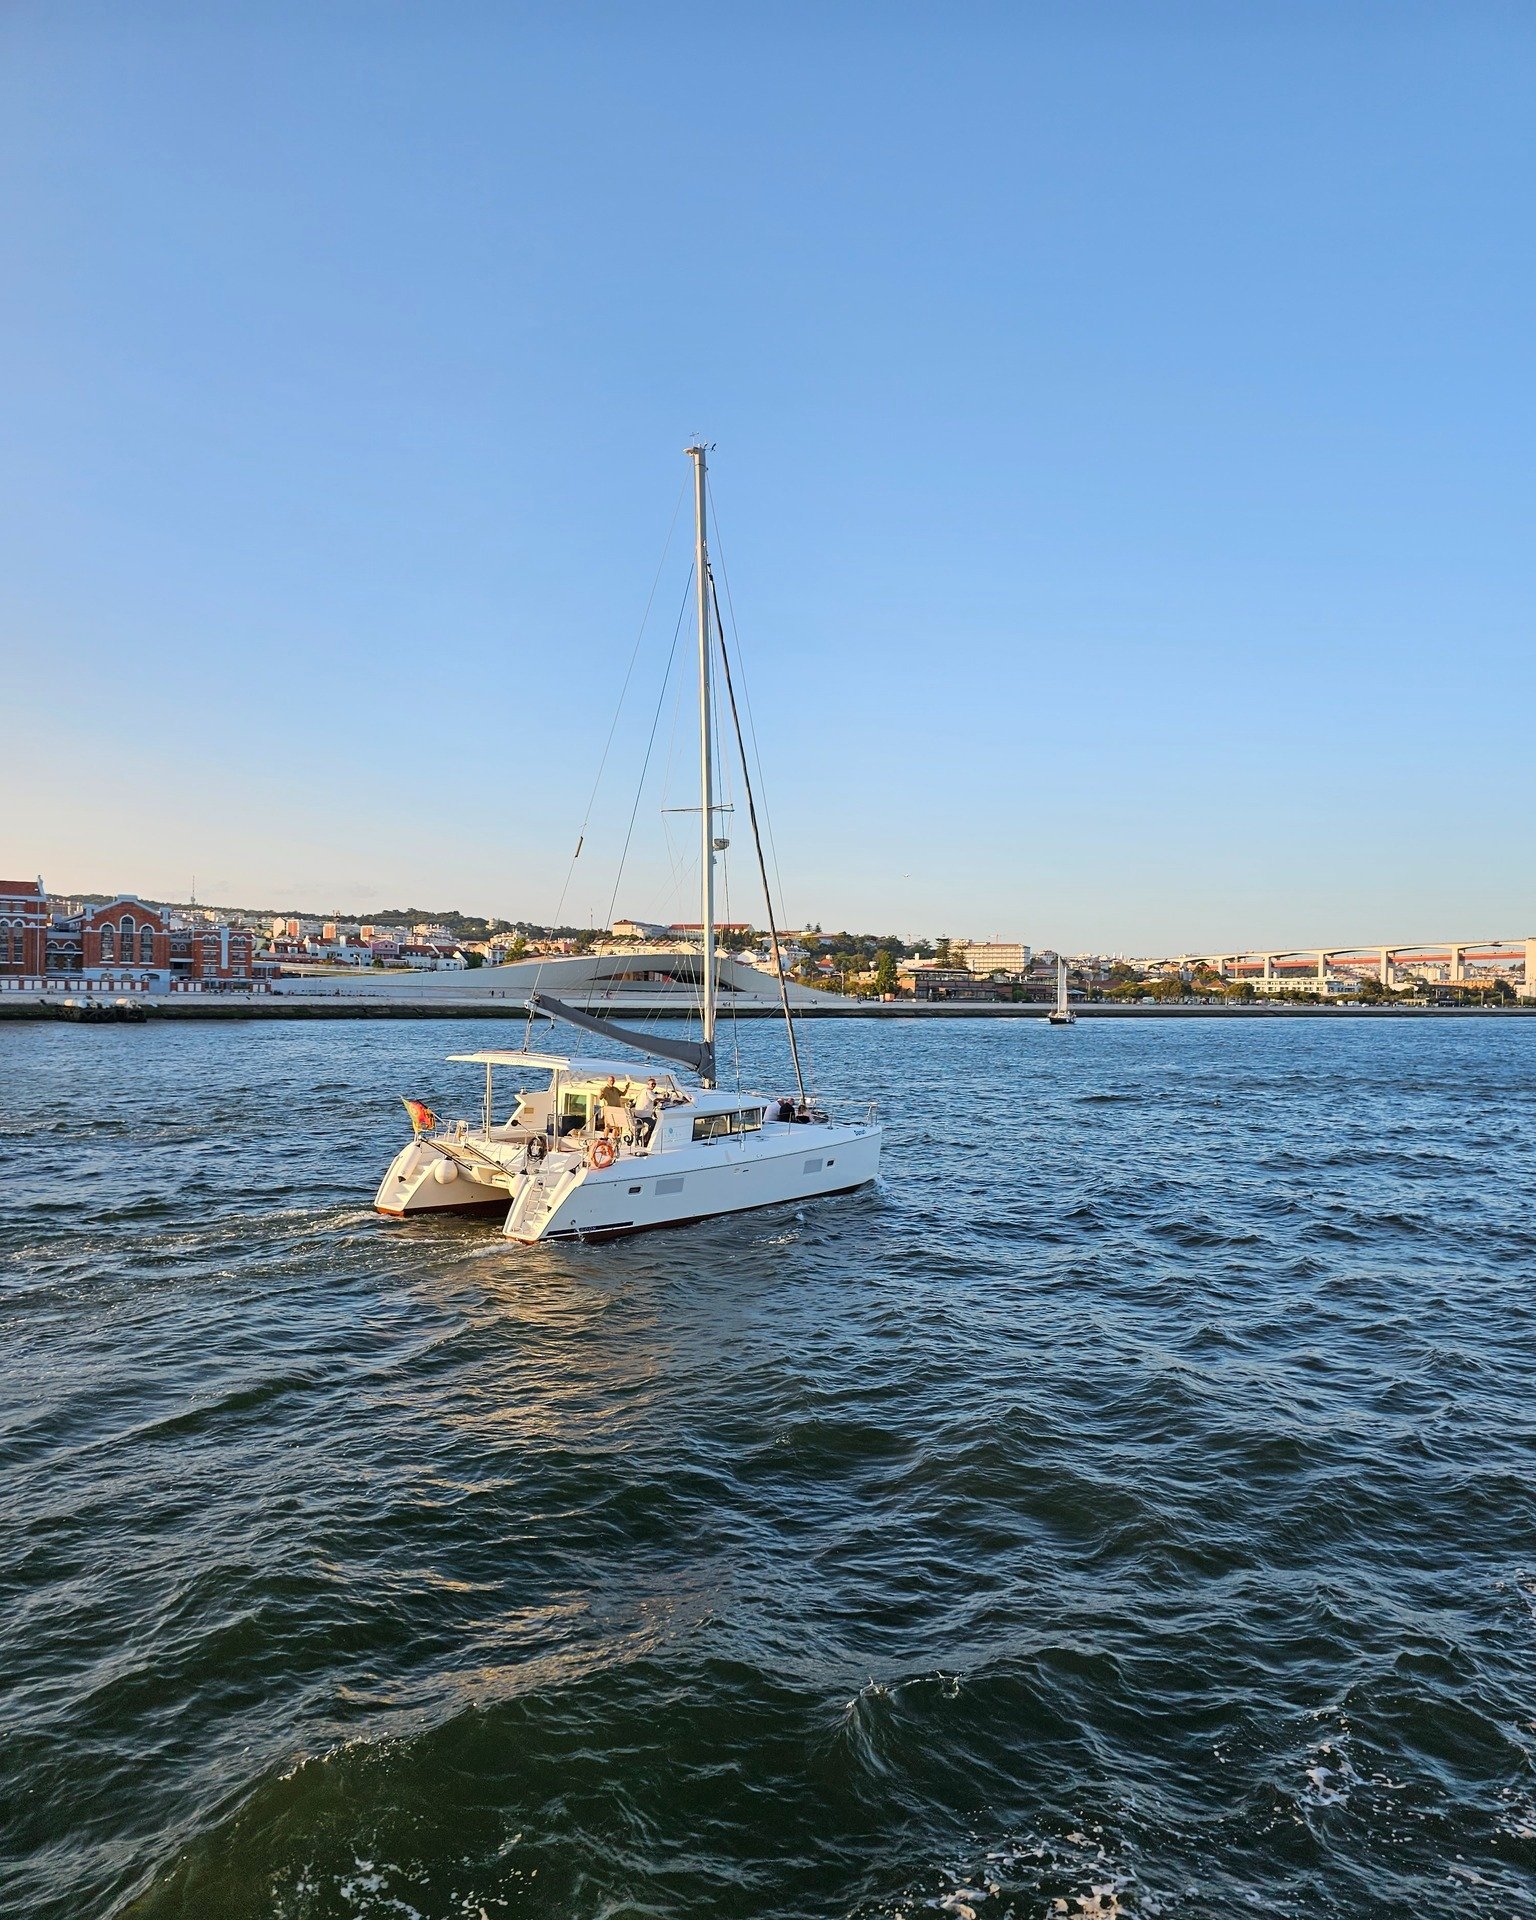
(762, 865)
(762, 783)
(724, 796)
(722, 768)
(649, 1022)
(746, 691)
(725, 887)
(676, 863)
(645, 767)
(634, 654)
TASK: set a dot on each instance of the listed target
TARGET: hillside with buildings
(125, 944)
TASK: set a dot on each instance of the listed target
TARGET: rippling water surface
(1128, 1507)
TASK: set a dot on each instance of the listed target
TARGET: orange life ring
(603, 1154)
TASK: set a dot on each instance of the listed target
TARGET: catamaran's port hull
(493, 1203)
(423, 1180)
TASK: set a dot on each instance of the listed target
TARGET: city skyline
(1123, 463)
(396, 919)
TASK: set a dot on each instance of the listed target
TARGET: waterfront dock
(462, 1006)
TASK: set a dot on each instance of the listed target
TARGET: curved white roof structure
(638, 982)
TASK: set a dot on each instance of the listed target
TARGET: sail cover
(697, 1054)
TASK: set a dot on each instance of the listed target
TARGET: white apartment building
(991, 956)
(1333, 985)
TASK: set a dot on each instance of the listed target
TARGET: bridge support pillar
(1457, 967)
(1384, 974)
(1269, 966)
(1322, 968)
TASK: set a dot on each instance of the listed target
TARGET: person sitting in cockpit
(643, 1106)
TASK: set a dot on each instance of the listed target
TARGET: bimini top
(564, 1063)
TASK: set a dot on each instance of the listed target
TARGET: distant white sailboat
(601, 1149)
(1061, 1015)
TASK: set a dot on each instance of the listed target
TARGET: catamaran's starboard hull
(638, 1195)
(684, 1220)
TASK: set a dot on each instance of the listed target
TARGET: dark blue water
(1128, 1507)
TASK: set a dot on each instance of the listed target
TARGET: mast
(706, 770)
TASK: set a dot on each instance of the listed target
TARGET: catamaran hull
(683, 1220)
(422, 1180)
(637, 1195)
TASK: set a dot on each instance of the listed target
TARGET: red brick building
(24, 921)
(125, 933)
(212, 953)
(125, 942)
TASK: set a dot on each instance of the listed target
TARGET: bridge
(1461, 962)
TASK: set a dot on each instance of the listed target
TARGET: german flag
(423, 1119)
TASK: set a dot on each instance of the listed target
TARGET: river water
(1126, 1507)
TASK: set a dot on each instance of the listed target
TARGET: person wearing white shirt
(644, 1110)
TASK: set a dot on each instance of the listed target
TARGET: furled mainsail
(697, 1054)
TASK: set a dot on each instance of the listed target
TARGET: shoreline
(345, 1007)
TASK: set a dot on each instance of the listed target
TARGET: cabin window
(573, 1111)
(717, 1126)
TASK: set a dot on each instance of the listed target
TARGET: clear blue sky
(1124, 425)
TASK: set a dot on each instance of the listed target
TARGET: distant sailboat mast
(1061, 1015)
(706, 769)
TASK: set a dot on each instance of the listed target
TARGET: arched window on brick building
(146, 947)
(108, 945)
(126, 923)
(5, 944)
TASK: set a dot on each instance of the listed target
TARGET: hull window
(717, 1126)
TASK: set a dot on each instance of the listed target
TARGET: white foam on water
(366, 1892)
(1330, 1774)
(1095, 1883)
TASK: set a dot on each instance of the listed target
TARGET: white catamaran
(603, 1148)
